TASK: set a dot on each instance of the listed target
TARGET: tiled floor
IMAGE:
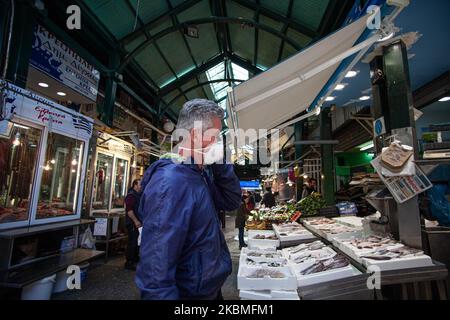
(111, 281)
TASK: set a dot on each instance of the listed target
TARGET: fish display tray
(267, 283)
(269, 295)
(243, 258)
(355, 253)
(320, 277)
(350, 221)
(326, 251)
(303, 235)
(400, 263)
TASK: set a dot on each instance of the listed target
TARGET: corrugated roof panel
(278, 6)
(171, 95)
(309, 12)
(114, 14)
(154, 65)
(235, 10)
(149, 12)
(197, 11)
(242, 41)
(135, 43)
(196, 93)
(160, 26)
(277, 25)
(298, 37)
(268, 48)
(288, 51)
(206, 45)
(175, 51)
(189, 84)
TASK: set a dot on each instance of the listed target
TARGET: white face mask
(211, 154)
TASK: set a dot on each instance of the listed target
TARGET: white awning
(287, 89)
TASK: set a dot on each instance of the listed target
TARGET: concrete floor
(111, 281)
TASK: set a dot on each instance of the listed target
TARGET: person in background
(258, 197)
(250, 201)
(241, 218)
(309, 187)
(183, 253)
(133, 224)
(268, 199)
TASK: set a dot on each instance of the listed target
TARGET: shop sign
(54, 58)
(379, 127)
(34, 108)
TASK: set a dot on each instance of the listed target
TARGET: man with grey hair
(183, 251)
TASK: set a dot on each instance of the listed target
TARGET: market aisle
(112, 282)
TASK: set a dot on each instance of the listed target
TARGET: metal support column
(22, 40)
(393, 100)
(327, 156)
(110, 92)
(298, 135)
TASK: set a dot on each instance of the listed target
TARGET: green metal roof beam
(278, 17)
(191, 74)
(165, 16)
(208, 20)
(244, 64)
(284, 30)
(255, 54)
(201, 84)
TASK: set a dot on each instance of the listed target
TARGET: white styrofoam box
(268, 295)
(321, 254)
(267, 283)
(299, 233)
(252, 233)
(288, 251)
(350, 221)
(320, 277)
(400, 263)
(355, 253)
(243, 259)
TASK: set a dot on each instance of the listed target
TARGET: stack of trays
(262, 239)
(292, 232)
(264, 275)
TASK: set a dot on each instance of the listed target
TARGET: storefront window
(102, 185)
(120, 184)
(18, 158)
(61, 177)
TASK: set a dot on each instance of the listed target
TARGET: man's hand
(137, 224)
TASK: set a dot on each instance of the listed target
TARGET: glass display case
(43, 159)
(61, 177)
(102, 182)
(18, 158)
(120, 183)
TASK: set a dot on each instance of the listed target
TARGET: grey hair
(199, 110)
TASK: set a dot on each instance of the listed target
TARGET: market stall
(43, 159)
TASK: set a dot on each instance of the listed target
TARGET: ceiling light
(340, 87)
(62, 94)
(318, 111)
(43, 84)
(364, 98)
(53, 161)
(330, 98)
(444, 99)
(351, 74)
(74, 162)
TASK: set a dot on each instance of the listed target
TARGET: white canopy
(275, 96)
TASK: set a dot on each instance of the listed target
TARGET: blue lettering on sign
(44, 59)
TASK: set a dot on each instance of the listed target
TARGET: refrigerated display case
(111, 174)
(42, 160)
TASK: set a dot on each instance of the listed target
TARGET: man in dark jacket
(241, 217)
(183, 251)
(133, 224)
(268, 198)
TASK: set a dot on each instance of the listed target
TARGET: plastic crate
(329, 212)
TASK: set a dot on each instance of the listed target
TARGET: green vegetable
(310, 205)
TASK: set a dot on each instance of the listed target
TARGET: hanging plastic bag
(88, 240)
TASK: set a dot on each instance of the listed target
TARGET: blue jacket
(183, 251)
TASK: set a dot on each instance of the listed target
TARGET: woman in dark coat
(241, 218)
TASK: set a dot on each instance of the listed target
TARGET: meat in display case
(18, 158)
(61, 177)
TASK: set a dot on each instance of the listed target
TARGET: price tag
(296, 216)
